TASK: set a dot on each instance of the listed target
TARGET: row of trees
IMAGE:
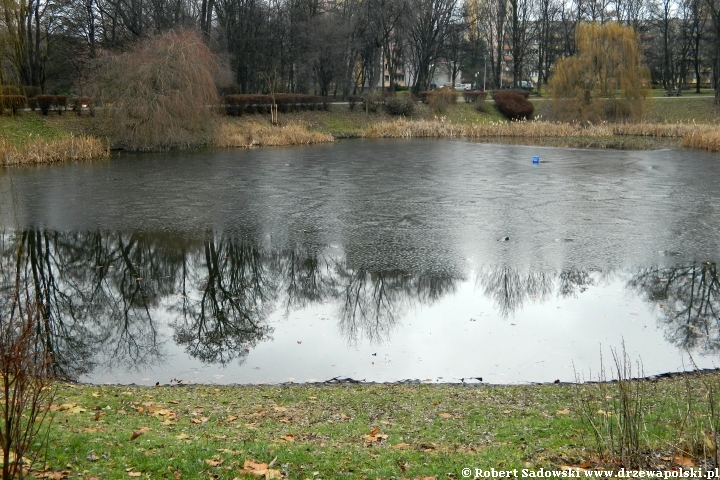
(337, 47)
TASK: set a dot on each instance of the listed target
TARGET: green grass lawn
(356, 431)
(23, 126)
(688, 108)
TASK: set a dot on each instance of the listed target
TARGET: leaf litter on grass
(326, 429)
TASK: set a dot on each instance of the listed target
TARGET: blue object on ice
(536, 159)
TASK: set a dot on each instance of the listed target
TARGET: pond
(435, 260)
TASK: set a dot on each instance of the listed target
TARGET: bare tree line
(343, 47)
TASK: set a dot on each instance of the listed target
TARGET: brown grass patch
(705, 140)
(251, 134)
(695, 136)
(37, 151)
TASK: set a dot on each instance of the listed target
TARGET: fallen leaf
(683, 461)
(445, 415)
(288, 438)
(401, 446)
(182, 436)
(570, 467)
(135, 474)
(564, 411)
(375, 436)
(96, 394)
(52, 475)
(280, 409)
(139, 432)
(177, 474)
(260, 470)
(214, 463)
(153, 410)
(231, 418)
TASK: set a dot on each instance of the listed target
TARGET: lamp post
(485, 73)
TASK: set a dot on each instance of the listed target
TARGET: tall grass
(254, 134)
(696, 136)
(38, 151)
(614, 412)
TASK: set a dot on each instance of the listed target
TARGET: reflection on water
(124, 301)
(688, 298)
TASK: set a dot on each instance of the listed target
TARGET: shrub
(78, 103)
(519, 91)
(60, 103)
(25, 377)
(9, 90)
(482, 106)
(513, 106)
(32, 103)
(474, 96)
(371, 101)
(31, 91)
(439, 100)
(286, 102)
(404, 106)
(12, 102)
(353, 100)
(160, 91)
(45, 102)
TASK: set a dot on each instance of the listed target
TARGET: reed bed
(695, 136)
(253, 134)
(704, 140)
(40, 151)
(441, 129)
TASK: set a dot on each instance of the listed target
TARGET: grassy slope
(432, 430)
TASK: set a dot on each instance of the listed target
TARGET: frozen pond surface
(376, 260)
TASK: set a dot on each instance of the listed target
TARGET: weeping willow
(604, 80)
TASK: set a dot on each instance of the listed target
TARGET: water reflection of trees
(688, 298)
(511, 288)
(108, 298)
(372, 302)
(226, 293)
(101, 294)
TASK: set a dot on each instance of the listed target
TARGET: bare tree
(428, 27)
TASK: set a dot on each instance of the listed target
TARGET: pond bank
(28, 138)
(373, 431)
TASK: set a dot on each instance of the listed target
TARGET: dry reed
(38, 151)
(254, 134)
(696, 136)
